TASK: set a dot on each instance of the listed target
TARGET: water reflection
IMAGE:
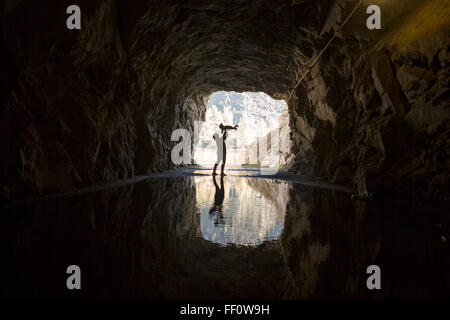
(244, 211)
(158, 240)
(216, 210)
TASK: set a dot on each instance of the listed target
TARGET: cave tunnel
(88, 114)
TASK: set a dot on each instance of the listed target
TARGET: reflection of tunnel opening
(239, 211)
(260, 119)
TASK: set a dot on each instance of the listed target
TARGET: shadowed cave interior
(96, 106)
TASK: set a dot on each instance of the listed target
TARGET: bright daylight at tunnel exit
(257, 116)
(205, 151)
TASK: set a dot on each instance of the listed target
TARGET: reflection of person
(221, 147)
(217, 207)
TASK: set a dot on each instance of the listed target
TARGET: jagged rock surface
(374, 109)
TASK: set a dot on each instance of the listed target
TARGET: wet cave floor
(185, 234)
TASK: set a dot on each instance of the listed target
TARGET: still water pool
(186, 235)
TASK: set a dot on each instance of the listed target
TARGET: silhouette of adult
(221, 147)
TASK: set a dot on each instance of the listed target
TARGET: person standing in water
(221, 147)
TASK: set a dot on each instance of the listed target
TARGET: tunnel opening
(257, 116)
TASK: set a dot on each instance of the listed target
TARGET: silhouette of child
(224, 128)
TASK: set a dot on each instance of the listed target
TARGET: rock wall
(67, 117)
(100, 103)
(78, 106)
(373, 112)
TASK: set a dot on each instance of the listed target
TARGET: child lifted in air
(224, 128)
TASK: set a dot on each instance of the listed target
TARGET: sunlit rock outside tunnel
(257, 116)
(339, 161)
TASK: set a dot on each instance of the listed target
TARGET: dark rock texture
(99, 104)
(374, 110)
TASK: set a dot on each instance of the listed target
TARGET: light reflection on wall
(253, 210)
